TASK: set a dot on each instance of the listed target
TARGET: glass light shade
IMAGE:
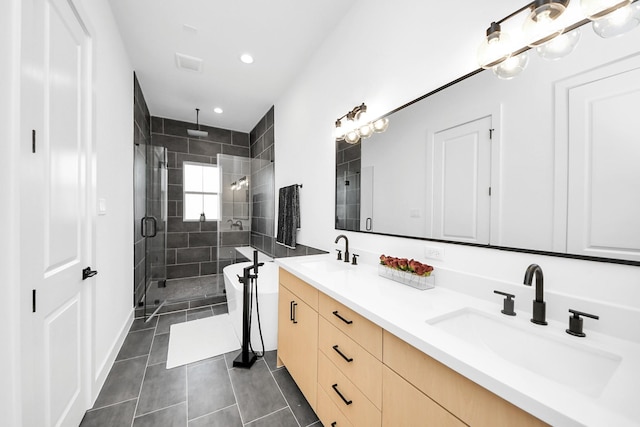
(542, 24)
(380, 125)
(559, 47)
(495, 48)
(512, 66)
(595, 9)
(352, 137)
(338, 132)
(365, 130)
(618, 22)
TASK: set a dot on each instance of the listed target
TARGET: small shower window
(201, 185)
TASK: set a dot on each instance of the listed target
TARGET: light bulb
(512, 66)
(618, 22)
(595, 9)
(495, 48)
(560, 46)
(542, 24)
(352, 137)
(380, 125)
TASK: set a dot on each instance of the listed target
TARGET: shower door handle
(143, 226)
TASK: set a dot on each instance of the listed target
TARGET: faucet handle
(575, 322)
(507, 306)
(339, 254)
(354, 259)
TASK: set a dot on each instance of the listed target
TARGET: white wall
(9, 214)
(113, 138)
(385, 54)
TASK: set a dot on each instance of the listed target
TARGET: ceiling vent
(187, 62)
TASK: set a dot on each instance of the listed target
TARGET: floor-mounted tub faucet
(346, 246)
(539, 309)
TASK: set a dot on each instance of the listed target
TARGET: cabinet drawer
(329, 413)
(357, 364)
(404, 405)
(356, 327)
(299, 287)
(462, 397)
(345, 395)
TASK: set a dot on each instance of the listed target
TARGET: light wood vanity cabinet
(354, 373)
(298, 332)
(471, 403)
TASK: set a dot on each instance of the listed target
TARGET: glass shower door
(154, 228)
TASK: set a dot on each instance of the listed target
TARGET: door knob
(88, 272)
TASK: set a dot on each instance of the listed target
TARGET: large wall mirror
(548, 161)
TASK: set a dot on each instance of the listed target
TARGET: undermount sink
(326, 265)
(561, 359)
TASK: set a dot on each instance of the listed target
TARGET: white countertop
(403, 311)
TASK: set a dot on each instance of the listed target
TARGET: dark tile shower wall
(263, 231)
(192, 246)
(141, 137)
(262, 140)
(348, 168)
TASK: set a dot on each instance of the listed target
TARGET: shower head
(198, 132)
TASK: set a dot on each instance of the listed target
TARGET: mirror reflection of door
(461, 182)
(604, 158)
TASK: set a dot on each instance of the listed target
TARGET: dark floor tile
(119, 415)
(271, 358)
(140, 324)
(256, 391)
(282, 418)
(159, 349)
(227, 417)
(174, 416)
(161, 388)
(123, 382)
(219, 309)
(136, 344)
(209, 388)
(166, 320)
(199, 313)
(173, 307)
(294, 397)
(217, 299)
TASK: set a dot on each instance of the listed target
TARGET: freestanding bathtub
(268, 302)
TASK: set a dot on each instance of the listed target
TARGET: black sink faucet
(346, 246)
(538, 303)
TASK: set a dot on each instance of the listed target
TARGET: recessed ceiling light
(246, 58)
(217, 110)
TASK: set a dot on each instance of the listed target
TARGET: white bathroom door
(461, 181)
(55, 222)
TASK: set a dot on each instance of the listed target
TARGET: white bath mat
(200, 339)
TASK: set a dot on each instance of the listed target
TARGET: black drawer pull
(335, 388)
(295, 304)
(291, 310)
(348, 359)
(334, 424)
(348, 322)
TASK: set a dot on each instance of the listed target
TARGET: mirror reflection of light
(560, 46)
(511, 67)
(618, 22)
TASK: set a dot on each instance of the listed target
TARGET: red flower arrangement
(404, 264)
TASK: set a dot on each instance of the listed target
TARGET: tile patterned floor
(140, 391)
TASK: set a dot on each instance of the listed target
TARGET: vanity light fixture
(546, 30)
(354, 126)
